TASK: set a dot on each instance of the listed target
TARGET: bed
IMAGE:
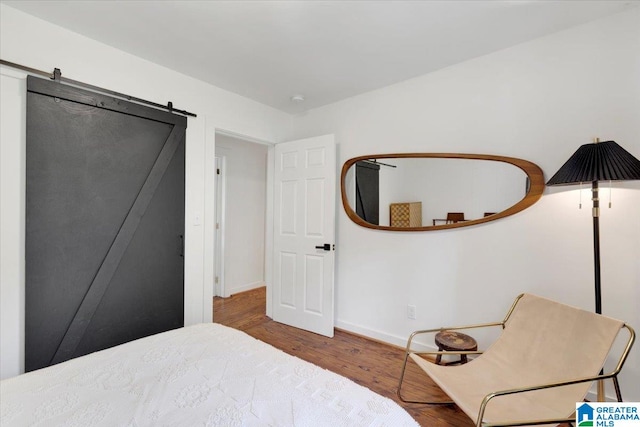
(201, 375)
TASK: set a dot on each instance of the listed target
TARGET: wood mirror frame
(533, 172)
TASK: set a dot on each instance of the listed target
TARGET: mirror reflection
(424, 192)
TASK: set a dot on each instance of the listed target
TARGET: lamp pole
(596, 264)
(596, 244)
(596, 239)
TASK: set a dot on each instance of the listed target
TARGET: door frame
(219, 224)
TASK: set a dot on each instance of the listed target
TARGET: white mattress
(202, 375)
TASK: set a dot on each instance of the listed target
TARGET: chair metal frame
(613, 375)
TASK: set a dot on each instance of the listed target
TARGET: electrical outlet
(411, 312)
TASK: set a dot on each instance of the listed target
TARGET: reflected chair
(453, 217)
(544, 361)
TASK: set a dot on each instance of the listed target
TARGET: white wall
(245, 205)
(38, 44)
(538, 101)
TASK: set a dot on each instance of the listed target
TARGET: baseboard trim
(383, 337)
(246, 287)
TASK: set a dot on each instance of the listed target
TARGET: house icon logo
(584, 415)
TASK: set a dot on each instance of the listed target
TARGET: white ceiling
(325, 51)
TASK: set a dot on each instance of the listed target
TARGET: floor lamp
(599, 161)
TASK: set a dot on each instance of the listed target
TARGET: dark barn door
(368, 192)
(104, 222)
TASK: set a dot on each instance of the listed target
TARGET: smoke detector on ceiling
(297, 99)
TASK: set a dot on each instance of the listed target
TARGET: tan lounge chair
(544, 361)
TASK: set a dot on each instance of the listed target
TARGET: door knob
(326, 247)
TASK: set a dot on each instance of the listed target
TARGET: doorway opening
(240, 215)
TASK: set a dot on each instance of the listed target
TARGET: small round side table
(454, 341)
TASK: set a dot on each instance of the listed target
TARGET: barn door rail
(57, 76)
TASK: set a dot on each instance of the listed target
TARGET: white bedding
(202, 375)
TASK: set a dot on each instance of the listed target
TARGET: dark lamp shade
(599, 161)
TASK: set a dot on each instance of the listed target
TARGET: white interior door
(304, 225)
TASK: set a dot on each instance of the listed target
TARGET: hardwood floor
(371, 364)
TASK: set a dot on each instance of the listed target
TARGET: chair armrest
(433, 359)
(474, 326)
(447, 353)
(500, 393)
(452, 328)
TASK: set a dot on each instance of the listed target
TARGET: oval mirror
(435, 191)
